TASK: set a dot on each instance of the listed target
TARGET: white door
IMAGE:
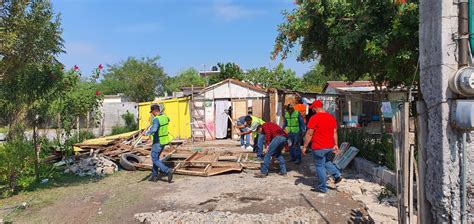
(221, 119)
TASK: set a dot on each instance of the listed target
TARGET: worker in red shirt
(322, 132)
(275, 140)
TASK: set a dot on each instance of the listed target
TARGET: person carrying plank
(160, 137)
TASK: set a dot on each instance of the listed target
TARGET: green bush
(17, 166)
(378, 149)
(130, 124)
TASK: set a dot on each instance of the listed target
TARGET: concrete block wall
(376, 173)
(112, 114)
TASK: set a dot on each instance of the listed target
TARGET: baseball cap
(154, 107)
(316, 104)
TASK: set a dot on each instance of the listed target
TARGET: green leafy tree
(227, 71)
(376, 38)
(140, 79)
(187, 77)
(30, 33)
(278, 77)
(30, 76)
(315, 79)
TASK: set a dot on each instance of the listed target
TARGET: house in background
(215, 107)
(359, 106)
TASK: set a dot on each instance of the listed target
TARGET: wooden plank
(405, 161)
(257, 108)
(424, 208)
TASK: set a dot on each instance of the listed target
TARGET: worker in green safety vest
(252, 122)
(295, 127)
(160, 137)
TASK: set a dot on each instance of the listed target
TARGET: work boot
(285, 174)
(170, 176)
(292, 160)
(298, 162)
(261, 175)
(337, 180)
(153, 179)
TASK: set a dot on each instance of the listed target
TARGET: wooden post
(405, 146)
(349, 108)
(396, 124)
(424, 207)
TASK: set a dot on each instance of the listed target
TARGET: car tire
(128, 161)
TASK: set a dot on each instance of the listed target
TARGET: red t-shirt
(272, 130)
(323, 125)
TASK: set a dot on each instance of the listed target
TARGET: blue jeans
(321, 166)
(244, 138)
(155, 157)
(295, 149)
(274, 149)
(258, 143)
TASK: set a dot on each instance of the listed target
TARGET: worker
(322, 132)
(301, 108)
(275, 141)
(295, 127)
(252, 123)
(244, 139)
(160, 136)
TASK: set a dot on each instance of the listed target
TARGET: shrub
(130, 124)
(378, 149)
(17, 166)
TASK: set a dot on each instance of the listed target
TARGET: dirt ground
(117, 198)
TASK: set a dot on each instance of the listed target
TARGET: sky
(184, 33)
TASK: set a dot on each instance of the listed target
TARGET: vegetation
(139, 79)
(315, 79)
(130, 124)
(373, 148)
(279, 78)
(187, 77)
(227, 71)
(376, 39)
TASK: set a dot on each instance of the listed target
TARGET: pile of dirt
(289, 215)
(93, 166)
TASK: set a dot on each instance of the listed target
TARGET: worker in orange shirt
(301, 108)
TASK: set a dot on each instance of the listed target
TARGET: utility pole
(442, 53)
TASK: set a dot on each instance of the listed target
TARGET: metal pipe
(463, 34)
(463, 179)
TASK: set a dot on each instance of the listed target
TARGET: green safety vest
(292, 122)
(162, 134)
(258, 120)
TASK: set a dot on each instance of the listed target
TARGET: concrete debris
(3, 137)
(382, 210)
(289, 215)
(93, 166)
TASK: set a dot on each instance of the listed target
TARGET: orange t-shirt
(302, 109)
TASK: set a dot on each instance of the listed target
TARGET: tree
(279, 78)
(187, 77)
(30, 33)
(140, 79)
(315, 79)
(227, 71)
(30, 76)
(376, 38)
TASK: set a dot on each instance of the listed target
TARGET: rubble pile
(93, 166)
(290, 215)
